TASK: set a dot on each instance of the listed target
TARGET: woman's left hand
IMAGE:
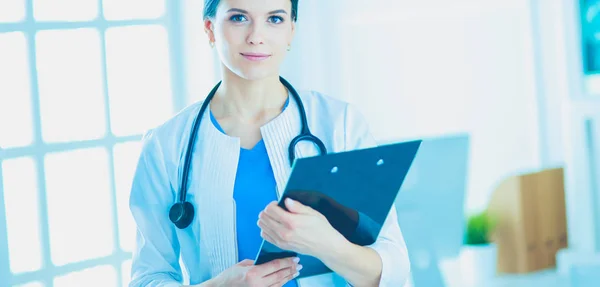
(302, 230)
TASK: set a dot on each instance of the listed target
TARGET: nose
(255, 36)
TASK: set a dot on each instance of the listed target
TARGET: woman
(239, 163)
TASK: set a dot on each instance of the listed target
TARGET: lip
(255, 56)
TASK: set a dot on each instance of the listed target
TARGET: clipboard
(355, 191)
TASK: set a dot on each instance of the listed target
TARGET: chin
(255, 73)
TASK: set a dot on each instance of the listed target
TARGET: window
(80, 81)
(590, 45)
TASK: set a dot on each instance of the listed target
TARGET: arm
(391, 248)
(156, 255)
(372, 265)
(384, 263)
(358, 265)
(394, 265)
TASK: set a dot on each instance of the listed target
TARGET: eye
(237, 18)
(275, 19)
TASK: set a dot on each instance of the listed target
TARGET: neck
(248, 98)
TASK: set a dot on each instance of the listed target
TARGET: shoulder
(321, 101)
(320, 104)
(337, 114)
(174, 131)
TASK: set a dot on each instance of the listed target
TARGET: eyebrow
(280, 11)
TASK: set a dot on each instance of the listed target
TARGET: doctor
(207, 180)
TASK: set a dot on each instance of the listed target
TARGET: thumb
(297, 207)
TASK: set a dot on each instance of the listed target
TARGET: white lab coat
(208, 245)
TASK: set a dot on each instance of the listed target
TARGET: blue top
(254, 189)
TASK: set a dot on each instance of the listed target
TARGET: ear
(209, 29)
(293, 34)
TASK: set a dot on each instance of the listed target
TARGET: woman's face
(252, 36)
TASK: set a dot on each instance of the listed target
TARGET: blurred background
(506, 94)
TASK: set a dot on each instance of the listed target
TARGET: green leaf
(479, 228)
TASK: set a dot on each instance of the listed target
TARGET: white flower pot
(478, 264)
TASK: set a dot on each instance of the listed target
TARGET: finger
(296, 207)
(268, 238)
(277, 278)
(269, 235)
(276, 266)
(268, 220)
(286, 280)
(277, 213)
(280, 277)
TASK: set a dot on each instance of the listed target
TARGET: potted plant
(478, 255)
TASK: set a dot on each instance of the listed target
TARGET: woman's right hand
(271, 274)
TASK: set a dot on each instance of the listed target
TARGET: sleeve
(390, 244)
(155, 259)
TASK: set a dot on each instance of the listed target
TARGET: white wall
(199, 61)
(509, 72)
(436, 67)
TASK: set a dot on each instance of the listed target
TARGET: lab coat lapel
(214, 168)
(277, 135)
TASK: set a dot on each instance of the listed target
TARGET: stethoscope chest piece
(182, 214)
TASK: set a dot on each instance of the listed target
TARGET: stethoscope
(182, 212)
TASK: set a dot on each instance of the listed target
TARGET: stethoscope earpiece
(181, 214)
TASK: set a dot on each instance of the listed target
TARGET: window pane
(133, 9)
(15, 96)
(97, 276)
(126, 272)
(12, 11)
(65, 10)
(33, 284)
(70, 81)
(126, 156)
(139, 83)
(79, 205)
(22, 217)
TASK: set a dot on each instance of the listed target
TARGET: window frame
(173, 23)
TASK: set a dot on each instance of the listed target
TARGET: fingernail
(299, 267)
(289, 201)
(297, 259)
(296, 275)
